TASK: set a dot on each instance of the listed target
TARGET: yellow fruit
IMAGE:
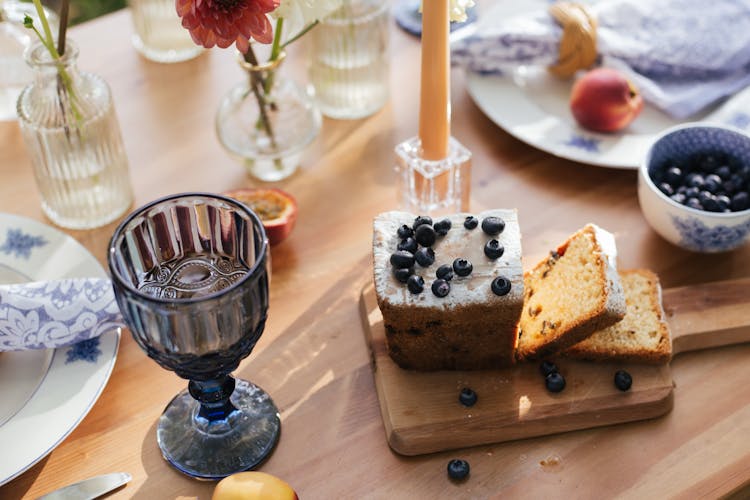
(252, 486)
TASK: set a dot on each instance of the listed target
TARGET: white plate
(46, 393)
(532, 106)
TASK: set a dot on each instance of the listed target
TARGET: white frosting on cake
(458, 243)
(606, 242)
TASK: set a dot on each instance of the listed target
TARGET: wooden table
(313, 358)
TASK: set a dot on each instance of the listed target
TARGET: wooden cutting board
(422, 414)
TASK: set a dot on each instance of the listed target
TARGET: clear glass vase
(15, 74)
(267, 121)
(70, 129)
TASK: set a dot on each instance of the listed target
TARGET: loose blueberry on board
(555, 382)
(420, 220)
(441, 288)
(444, 272)
(402, 258)
(425, 256)
(494, 249)
(409, 244)
(458, 469)
(471, 222)
(425, 235)
(500, 285)
(442, 227)
(623, 380)
(547, 367)
(467, 397)
(493, 225)
(415, 284)
(462, 267)
(402, 273)
(405, 232)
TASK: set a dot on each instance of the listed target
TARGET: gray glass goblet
(190, 274)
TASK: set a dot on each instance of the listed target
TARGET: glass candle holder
(348, 64)
(433, 186)
(159, 35)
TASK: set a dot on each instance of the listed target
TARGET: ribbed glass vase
(70, 129)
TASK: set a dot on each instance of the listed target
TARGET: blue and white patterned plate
(46, 393)
(532, 106)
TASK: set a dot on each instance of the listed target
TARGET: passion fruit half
(277, 209)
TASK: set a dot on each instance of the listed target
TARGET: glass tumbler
(159, 35)
(190, 275)
(348, 63)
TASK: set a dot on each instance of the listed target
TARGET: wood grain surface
(422, 414)
(313, 358)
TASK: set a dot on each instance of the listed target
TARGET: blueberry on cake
(450, 290)
(643, 334)
(571, 294)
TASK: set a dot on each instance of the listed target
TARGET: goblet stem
(213, 395)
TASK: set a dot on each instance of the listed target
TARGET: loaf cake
(571, 294)
(459, 322)
(642, 336)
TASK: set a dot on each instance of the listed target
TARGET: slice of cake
(571, 294)
(642, 336)
(450, 290)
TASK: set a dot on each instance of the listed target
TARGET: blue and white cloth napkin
(56, 313)
(684, 55)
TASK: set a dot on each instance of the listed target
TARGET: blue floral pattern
(739, 119)
(696, 235)
(585, 143)
(86, 350)
(20, 244)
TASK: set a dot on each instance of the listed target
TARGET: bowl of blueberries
(694, 187)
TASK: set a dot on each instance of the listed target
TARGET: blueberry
(724, 172)
(442, 227)
(441, 288)
(444, 272)
(494, 249)
(547, 367)
(415, 284)
(409, 244)
(458, 469)
(724, 202)
(708, 163)
(694, 203)
(678, 197)
(402, 259)
(694, 180)
(467, 397)
(405, 232)
(493, 225)
(703, 196)
(712, 183)
(623, 380)
(734, 184)
(462, 267)
(402, 273)
(740, 201)
(711, 205)
(471, 222)
(554, 382)
(692, 192)
(500, 285)
(420, 220)
(673, 175)
(425, 256)
(666, 188)
(425, 235)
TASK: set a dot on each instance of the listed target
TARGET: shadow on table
(24, 482)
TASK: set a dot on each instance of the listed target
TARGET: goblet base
(207, 449)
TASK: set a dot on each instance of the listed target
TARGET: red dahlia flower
(224, 22)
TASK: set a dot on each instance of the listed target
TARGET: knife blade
(90, 488)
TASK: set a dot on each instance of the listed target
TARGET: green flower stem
(257, 87)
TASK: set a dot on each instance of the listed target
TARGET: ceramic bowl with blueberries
(694, 187)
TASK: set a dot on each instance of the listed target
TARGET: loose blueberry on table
(467, 397)
(458, 469)
(623, 380)
(555, 382)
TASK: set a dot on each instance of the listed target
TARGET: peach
(253, 486)
(604, 100)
